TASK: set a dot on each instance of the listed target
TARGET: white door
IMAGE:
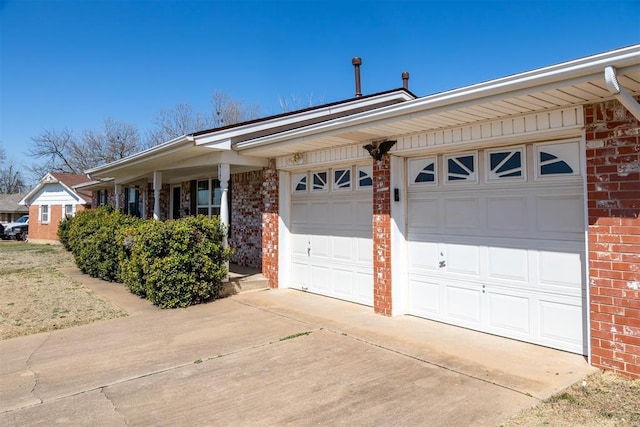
(331, 229)
(496, 242)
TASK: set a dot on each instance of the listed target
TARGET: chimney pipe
(356, 61)
(405, 80)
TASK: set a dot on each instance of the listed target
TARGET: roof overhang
(572, 83)
(190, 156)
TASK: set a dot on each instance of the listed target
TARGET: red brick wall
(613, 188)
(46, 231)
(382, 236)
(246, 218)
(270, 214)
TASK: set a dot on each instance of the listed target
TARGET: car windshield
(24, 218)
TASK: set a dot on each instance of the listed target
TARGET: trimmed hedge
(92, 239)
(173, 263)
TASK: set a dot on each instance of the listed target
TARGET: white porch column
(117, 192)
(224, 174)
(157, 187)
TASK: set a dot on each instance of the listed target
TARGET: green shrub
(63, 231)
(93, 240)
(175, 263)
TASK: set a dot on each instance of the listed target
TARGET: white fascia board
(216, 136)
(573, 72)
(214, 141)
(169, 147)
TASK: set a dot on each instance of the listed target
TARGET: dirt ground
(36, 297)
(603, 399)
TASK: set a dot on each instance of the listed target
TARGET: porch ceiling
(446, 110)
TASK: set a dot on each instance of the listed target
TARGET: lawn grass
(35, 297)
(604, 399)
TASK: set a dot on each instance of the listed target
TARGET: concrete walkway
(274, 357)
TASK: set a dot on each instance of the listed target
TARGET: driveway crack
(36, 376)
(113, 405)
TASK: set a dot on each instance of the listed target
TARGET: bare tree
(181, 120)
(11, 178)
(61, 151)
(227, 111)
(297, 102)
(55, 148)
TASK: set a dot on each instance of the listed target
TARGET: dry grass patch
(606, 400)
(36, 297)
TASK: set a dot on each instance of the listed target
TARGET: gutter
(620, 93)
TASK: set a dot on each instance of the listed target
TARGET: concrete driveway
(272, 357)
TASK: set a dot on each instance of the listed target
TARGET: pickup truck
(18, 230)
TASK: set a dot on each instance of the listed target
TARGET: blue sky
(70, 64)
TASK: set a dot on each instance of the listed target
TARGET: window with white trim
(299, 182)
(506, 164)
(342, 179)
(319, 181)
(461, 168)
(557, 160)
(423, 171)
(68, 210)
(365, 176)
(44, 214)
(209, 197)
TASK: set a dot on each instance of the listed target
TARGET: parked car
(18, 230)
(1, 231)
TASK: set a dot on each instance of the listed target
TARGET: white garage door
(496, 242)
(331, 228)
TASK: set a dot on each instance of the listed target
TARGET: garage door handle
(442, 264)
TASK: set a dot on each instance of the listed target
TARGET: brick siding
(46, 232)
(382, 236)
(613, 188)
(270, 214)
(246, 218)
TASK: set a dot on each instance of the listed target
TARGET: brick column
(613, 189)
(270, 216)
(382, 236)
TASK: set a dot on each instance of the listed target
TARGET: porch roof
(195, 155)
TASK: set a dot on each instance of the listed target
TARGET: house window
(132, 202)
(423, 171)
(365, 176)
(67, 210)
(44, 214)
(461, 168)
(103, 197)
(506, 165)
(342, 179)
(209, 197)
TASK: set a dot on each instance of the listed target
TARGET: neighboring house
(10, 209)
(509, 207)
(51, 200)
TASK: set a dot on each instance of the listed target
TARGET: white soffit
(574, 83)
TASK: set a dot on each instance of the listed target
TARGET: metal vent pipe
(356, 61)
(405, 80)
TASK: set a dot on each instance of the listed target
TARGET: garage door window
(557, 160)
(365, 179)
(506, 165)
(319, 180)
(461, 168)
(299, 182)
(342, 179)
(423, 171)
